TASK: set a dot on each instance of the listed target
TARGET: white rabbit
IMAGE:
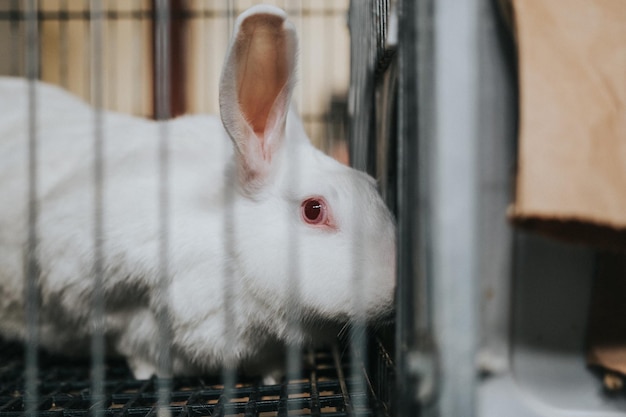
(260, 234)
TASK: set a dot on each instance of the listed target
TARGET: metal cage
(428, 107)
(159, 59)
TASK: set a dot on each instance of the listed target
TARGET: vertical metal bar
(63, 47)
(231, 15)
(361, 102)
(329, 141)
(207, 12)
(86, 56)
(343, 386)
(498, 127)
(315, 395)
(228, 295)
(97, 298)
(292, 303)
(137, 70)
(415, 359)
(31, 262)
(162, 113)
(298, 13)
(455, 202)
(361, 94)
(162, 60)
(228, 372)
(358, 328)
(112, 78)
(294, 353)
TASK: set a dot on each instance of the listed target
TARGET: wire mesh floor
(64, 390)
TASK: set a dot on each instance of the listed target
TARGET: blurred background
(198, 37)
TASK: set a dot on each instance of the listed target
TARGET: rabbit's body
(65, 189)
(231, 231)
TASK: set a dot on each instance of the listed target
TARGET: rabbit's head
(310, 234)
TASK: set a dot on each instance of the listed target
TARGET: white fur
(344, 273)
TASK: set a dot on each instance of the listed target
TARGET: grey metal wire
(358, 328)
(294, 352)
(64, 48)
(32, 272)
(292, 304)
(415, 358)
(137, 69)
(97, 300)
(112, 73)
(361, 110)
(455, 203)
(32, 263)
(229, 374)
(162, 114)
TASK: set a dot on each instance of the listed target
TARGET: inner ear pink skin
(316, 212)
(264, 69)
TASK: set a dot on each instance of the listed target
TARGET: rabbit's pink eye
(314, 211)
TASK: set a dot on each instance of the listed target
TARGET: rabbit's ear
(255, 89)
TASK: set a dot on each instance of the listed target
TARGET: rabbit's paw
(140, 368)
(273, 377)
